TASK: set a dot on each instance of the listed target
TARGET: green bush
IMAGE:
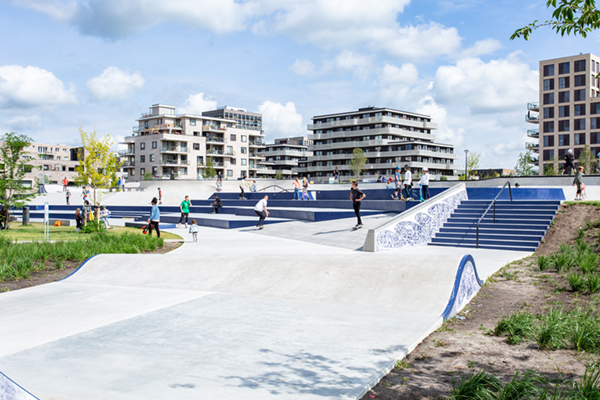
(543, 263)
(576, 282)
(517, 327)
(592, 283)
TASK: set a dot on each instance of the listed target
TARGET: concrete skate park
(304, 309)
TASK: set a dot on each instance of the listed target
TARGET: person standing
(119, 184)
(79, 218)
(159, 196)
(68, 196)
(336, 175)
(65, 183)
(216, 205)
(407, 182)
(569, 165)
(219, 178)
(261, 210)
(356, 196)
(185, 211)
(305, 188)
(398, 184)
(296, 189)
(424, 182)
(194, 231)
(578, 181)
(154, 219)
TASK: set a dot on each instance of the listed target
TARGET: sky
(99, 64)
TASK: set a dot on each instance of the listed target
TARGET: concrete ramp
(257, 317)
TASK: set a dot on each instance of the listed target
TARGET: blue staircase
(520, 224)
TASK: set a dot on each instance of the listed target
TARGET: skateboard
(355, 228)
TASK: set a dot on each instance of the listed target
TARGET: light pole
(466, 171)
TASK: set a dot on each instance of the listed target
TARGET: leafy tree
(524, 165)
(587, 160)
(98, 164)
(577, 17)
(147, 176)
(278, 174)
(553, 167)
(13, 168)
(473, 162)
(358, 162)
(209, 170)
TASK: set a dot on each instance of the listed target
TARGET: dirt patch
(465, 343)
(51, 274)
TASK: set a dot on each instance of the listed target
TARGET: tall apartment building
(388, 137)
(55, 161)
(568, 111)
(244, 119)
(285, 154)
(165, 143)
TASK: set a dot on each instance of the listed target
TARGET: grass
(20, 260)
(35, 232)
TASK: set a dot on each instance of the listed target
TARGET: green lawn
(35, 232)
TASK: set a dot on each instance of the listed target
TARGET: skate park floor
(242, 314)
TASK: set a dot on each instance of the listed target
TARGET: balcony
(170, 162)
(374, 120)
(535, 147)
(397, 134)
(215, 140)
(535, 161)
(533, 106)
(213, 128)
(123, 153)
(256, 143)
(174, 149)
(127, 164)
(534, 119)
(533, 133)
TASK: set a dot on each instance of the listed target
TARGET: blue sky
(98, 64)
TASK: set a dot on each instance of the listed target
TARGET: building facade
(567, 115)
(165, 145)
(243, 118)
(285, 154)
(388, 137)
(54, 161)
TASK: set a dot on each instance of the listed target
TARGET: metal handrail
(488, 209)
(277, 186)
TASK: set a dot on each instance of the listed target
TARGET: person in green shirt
(185, 211)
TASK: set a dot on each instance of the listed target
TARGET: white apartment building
(568, 111)
(166, 144)
(244, 119)
(285, 154)
(389, 138)
(55, 161)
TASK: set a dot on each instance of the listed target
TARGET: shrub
(479, 385)
(543, 262)
(517, 326)
(576, 282)
(592, 283)
(551, 333)
(587, 262)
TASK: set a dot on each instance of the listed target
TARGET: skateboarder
(159, 196)
(185, 211)
(407, 182)
(424, 182)
(398, 184)
(356, 197)
(261, 210)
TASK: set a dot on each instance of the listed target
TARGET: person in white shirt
(261, 210)
(407, 182)
(424, 182)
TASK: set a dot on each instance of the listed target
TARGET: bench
(63, 222)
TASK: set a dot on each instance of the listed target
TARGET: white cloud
(196, 103)
(114, 84)
(439, 115)
(304, 67)
(25, 87)
(21, 123)
(480, 47)
(360, 65)
(401, 87)
(281, 120)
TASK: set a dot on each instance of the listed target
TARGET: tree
(14, 166)
(524, 165)
(278, 174)
(577, 17)
(473, 162)
(587, 160)
(553, 167)
(209, 170)
(98, 164)
(147, 176)
(357, 163)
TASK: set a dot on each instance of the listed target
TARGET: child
(578, 181)
(583, 193)
(424, 182)
(104, 215)
(194, 230)
(78, 219)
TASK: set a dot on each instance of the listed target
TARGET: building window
(154, 144)
(196, 146)
(548, 141)
(564, 126)
(244, 161)
(142, 171)
(579, 66)
(548, 154)
(579, 124)
(229, 172)
(244, 138)
(232, 161)
(563, 111)
(142, 146)
(232, 137)
(579, 109)
(549, 98)
(579, 95)
(563, 97)
(563, 140)
(159, 121)
(579, 80)
(142, 158)
(594, 123)
(549, 70)
(579, 138)
(548, 126)
(564, 68)
(244, 150)
(548, 84)
(152, 157)
(594, 138)
(563, 83)
(549, 112)
(193, 121)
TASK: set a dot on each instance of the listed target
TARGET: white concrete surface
(242, 314)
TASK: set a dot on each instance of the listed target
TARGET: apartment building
(165, 144)
(285, 154)
(388, 137)
(243, 118)
(54, 161)
(568, 110)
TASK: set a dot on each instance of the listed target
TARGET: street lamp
(466, 172)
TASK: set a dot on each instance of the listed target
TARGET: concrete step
(538, 231)
(519, 225)
(471, 234)
(516, 243)
(485, 246)
(504, 211)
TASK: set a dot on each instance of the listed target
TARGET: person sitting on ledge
(218, 203)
